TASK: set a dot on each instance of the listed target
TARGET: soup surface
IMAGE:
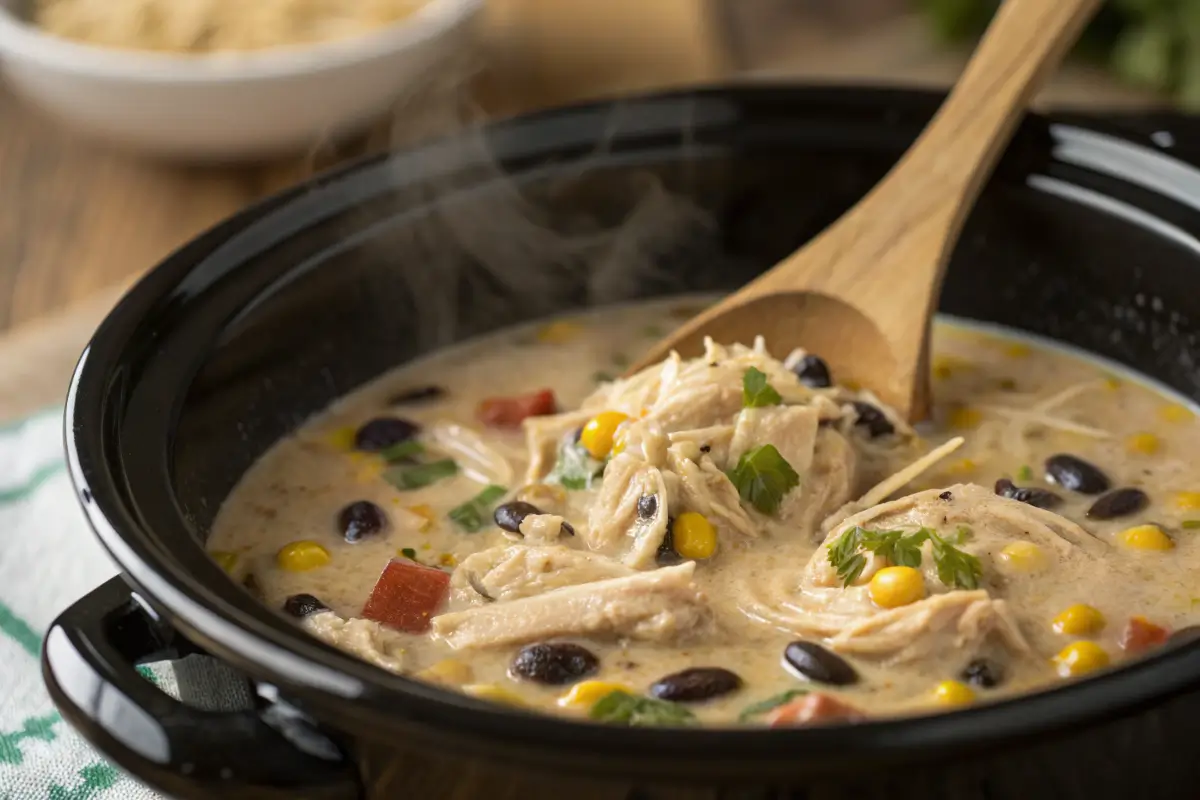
(731, 538)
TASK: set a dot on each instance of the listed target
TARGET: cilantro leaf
(575, 468)
(762, 477)
(414, 477)
(954, 567)
(770, 704)
(897, 547)
(844, 556)
(622, 708)
(472, 515)
(756, 392)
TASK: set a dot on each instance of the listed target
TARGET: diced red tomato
(814, 707)
(406, 595)
(1142, 634)
(510, 412)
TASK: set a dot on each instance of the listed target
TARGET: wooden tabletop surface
(81, 221)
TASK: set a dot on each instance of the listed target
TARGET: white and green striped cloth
(48, 559)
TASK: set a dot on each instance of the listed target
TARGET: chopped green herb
(963, 534)
(409, 553)
(620, 360)
(653, 331)
(762, 477)
(1025, 473)
(472, 515)
(575, 468)
(401, 451)
(603, 377)
(756, 392)
(622, 708)
(770, 704)
(414, 477)
(954, 567)
(897, 547)
(1190, 524)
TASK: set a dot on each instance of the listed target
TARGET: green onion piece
(603, 377)
(575, 468)
(414, 477)
(409, 553)
(1190, 524)
(474, 514)
(762, 477)
(1025, 473)
(770, 704)
(402, 451)
(622, 708)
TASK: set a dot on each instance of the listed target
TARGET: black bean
(666, 555)
(251, 585)
(419, 394)
(695, 684)
(509, 516)
(303, 605)
(1189, 634)
(361, 519)
(1039, 498)
(813, 662)
(1075, 474)
(1118, 503)
(647, 506)
(874, 420)
(813, 372)
(984, 673)
(946, 495)
(384, 432)
(554, 663)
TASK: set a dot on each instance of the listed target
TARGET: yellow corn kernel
(585, 694)
(953, 693)
(448, 672)
(1079, 658)
(1017, 350)
(851, 385)
(369, 471)
(301, 556)
(944, 366)
(558, 332)
(342, 438)
(447, 560)
(1145, 537)
(225, 559)
(426, 513)
(964, 418)
(961, 467)
(493, 694)
(1146, 444)
(892, 587)
(694, 536)
(1112, 384)
(1174, 412)
(1023, 558)
(597, 435)
(1079, 620)
(1187, 501)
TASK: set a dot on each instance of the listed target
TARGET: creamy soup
(729, 539)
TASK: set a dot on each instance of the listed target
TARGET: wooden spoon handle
(912, 218)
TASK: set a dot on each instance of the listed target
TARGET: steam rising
(510, 246)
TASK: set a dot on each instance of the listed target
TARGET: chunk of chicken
(519, 570)
(700, 486)
(829, 483)
(791, 429)
(364, 638)
(543, 436)
(658, 606)
(614, 524)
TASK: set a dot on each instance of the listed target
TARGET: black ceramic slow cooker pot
(1086, 233)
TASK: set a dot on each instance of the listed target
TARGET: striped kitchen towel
(48, 558)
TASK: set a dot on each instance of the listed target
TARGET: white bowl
(237, 106)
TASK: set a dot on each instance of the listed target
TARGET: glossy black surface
(237, 338)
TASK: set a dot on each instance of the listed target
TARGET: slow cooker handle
(89, 663)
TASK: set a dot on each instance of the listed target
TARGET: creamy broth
(1014, 402)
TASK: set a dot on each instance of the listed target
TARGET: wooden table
(80, 222)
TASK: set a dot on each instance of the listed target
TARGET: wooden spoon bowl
(862, 294)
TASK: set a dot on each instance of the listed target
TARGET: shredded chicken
(481, 461)
(516, 571)
(365, 638)
(660, 605)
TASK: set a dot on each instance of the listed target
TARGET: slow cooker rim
(154, 573)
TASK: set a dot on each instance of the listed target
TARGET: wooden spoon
(862, 293)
